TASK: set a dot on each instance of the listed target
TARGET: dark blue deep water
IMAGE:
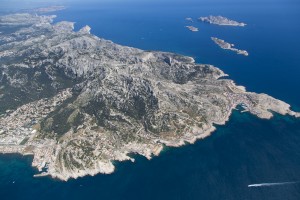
(245, 151)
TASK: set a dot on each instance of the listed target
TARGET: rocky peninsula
(77, 102)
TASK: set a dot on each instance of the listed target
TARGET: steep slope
(78, 102)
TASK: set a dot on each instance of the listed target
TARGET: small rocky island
(189, 19)
(219, 20)
(228, 46)
(77, 102)
(192, 28)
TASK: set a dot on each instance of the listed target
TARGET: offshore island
(77, 102)
(189, 19)
(228, 46)
(222, 21)
(192, 28)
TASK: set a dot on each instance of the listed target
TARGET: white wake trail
(272, 184)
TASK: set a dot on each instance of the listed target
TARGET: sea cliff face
(78, 102)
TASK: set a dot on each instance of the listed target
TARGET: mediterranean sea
(245, 151)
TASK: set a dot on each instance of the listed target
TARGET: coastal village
(18, 128)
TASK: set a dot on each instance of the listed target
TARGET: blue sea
(245, 151)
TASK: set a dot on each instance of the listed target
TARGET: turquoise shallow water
(245, 151)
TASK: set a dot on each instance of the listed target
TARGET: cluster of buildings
(17, 127)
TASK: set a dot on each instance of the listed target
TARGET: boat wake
(272, 184)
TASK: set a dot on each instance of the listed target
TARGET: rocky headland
(77, 102)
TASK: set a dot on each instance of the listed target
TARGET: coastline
(246, 150)
(235, 96)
